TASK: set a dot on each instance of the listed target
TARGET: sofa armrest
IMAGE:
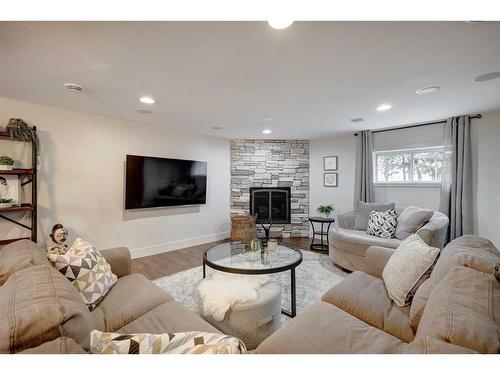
(376, 258)
(61, 345)
(119, 259)
(346, 220)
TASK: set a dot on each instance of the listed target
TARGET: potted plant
(326, 210)
(6, 202)
(6, 163)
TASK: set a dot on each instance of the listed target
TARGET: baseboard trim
(140, 252)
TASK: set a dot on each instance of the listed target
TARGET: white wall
(81, 180)
(486, 169)
(342, 196)
(486, 163)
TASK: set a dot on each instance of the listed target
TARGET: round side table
(322, 245)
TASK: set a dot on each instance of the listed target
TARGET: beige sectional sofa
(456, 310)
(348, 246)
(41, 312)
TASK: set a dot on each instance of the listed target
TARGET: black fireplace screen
(270, 205)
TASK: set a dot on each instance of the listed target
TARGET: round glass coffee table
(231, 258)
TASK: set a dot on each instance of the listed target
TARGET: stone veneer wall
(272, 163)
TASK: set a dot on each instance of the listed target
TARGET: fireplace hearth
(271, 205)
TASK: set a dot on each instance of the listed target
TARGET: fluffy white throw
(219, 293)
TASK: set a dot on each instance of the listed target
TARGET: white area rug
(314, 276)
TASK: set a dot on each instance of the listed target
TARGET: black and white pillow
(382, 224)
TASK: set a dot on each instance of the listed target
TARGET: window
(414, 166)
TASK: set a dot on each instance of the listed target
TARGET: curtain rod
(476, 116)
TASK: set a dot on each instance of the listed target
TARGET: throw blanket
(167, 343)
(224, 290)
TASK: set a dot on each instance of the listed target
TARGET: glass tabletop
(230, 257)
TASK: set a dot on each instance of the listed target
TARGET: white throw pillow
(406, 267)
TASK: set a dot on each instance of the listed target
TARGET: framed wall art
(330, 163)
(330, 179)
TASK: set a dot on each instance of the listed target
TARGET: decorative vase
(5, 168)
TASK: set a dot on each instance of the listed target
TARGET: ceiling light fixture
(486, 76)
(73, 87)
(280, 24)
(267, 119)
(266, 131)
(357, 120)
(147, 100)
(428, 90)
(384, 107)
(217, 127)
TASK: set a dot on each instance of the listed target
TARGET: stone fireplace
(270, 169)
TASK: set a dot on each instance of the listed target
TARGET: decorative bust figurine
(58, 235)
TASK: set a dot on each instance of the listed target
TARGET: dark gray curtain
(456, 181)
(363, 181)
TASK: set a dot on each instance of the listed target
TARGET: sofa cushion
(39, 305)
(407, 268)
(357, 241)
(364, 210)
(430, 345)
(463, 310)
(61, 345)
(382, 224)
(468, 251)
(324, 328)
(411, 220)
(365, 297)
(168, 317)
(131, 297)
(86, 268)
(19, 255)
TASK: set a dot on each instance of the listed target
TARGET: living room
(227, 187)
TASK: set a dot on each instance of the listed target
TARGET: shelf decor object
(18, 130)
(330, 163)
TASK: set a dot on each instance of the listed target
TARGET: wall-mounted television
(159, 182)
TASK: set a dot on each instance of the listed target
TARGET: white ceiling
(310, 79)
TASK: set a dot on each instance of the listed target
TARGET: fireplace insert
(271, 205)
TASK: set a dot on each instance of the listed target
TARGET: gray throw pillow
(412, 219)
(364, 210)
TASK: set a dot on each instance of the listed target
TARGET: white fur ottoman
(253, 322)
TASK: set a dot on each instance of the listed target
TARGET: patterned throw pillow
(167, 343)
(382, 224)
(87, 269)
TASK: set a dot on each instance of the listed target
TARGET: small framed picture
(330, 179)
(330, 163)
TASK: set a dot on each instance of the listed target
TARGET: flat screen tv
(159, 182)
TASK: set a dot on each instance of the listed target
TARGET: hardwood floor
(168, 263)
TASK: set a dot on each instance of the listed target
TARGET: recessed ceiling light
(147, 100)
(487, 76)
(143, 111)
(266, 131)
(217, 127)
(280, 24)
(428, 90)
(73, 87)
(384, 107)
(357, 120)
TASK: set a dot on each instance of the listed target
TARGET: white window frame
(434, 184)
